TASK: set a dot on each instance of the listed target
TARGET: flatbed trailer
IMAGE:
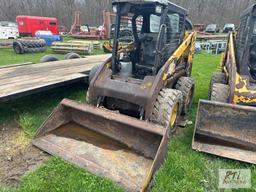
(25, 79)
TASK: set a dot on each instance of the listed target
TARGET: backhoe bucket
(124, 149)
(226, 130)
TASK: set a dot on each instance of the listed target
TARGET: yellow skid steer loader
(135, 98)
(226, 125)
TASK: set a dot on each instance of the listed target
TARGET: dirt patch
(17, 155)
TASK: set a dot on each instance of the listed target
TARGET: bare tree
(200, 11)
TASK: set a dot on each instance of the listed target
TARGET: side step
(226, 130)
(107, 144)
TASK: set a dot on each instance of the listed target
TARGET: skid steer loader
(226, 125)
(135, 99)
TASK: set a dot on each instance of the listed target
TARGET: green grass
(183, 171)
(57, 175)
(8, 56)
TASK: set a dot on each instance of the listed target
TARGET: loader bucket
(124, 149)
(226, 130)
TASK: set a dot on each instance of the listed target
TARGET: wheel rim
(17, 49)
(174, 115)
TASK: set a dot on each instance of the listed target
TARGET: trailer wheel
(167, 109)
(94, 71)
(72, 56)
(220, 93)
(187, 86)
(217, 77)
(48, 58)
(18, 48)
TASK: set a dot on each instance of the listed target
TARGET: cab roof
(249, 10)
(161, 2)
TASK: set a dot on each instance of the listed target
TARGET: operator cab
(246, 43)
(154, 31)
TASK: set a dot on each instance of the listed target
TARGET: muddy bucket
(107, 144)
(226, 130)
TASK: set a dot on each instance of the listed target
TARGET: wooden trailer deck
(26, 79)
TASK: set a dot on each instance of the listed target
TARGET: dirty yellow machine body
(135, 99)
(226, 125)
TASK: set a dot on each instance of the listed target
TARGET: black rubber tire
(91, 76)
(49, 58)
(164, 106)
(34, 43)
(72, 56)
(31, 45)
(220, 93)
(94, 71)
(17, 47)
(34, 50)
(187, 86)
(217, 77)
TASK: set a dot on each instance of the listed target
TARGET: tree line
(200, 11)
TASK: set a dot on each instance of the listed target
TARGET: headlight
(159, 9)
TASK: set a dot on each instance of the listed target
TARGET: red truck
(29, 25)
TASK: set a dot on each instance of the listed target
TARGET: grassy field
(8, 56)
(183, 171)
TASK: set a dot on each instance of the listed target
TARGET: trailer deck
(26, 79)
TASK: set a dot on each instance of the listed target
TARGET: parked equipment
(78, 30)
(105, 31)
(29, 25)
(8, 30)
(107, 47)
(229, 27)
(212, 28)
(135, 99)
(226, 124)
(48, 37)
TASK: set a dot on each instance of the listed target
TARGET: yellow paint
(185, 49)
(146, 86)
(108, 46)
(165, 76)
(238, 97)
(174, 115)
(108, 65)
(239, 93)
(171, 70)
